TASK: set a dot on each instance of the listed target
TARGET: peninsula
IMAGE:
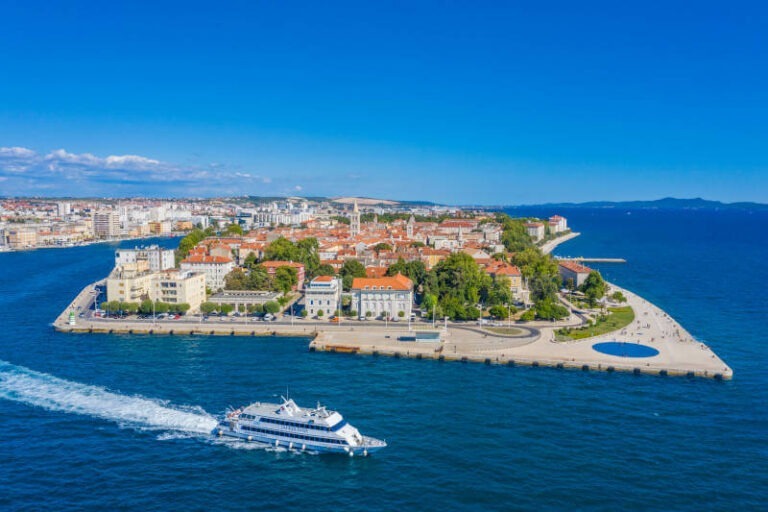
(394, 280)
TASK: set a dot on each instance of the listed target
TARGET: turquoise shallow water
(100, 422)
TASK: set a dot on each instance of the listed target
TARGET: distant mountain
(668, 203)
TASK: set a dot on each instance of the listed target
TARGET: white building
(215, 268)
(63, 209)
(157, 257)
(574, 272)
(174, 287)
(535, 230)
(323, 293)
(374, 297)
(558, 224)
(106, 224)
(133, 282)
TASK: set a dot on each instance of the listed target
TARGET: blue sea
(92, 422)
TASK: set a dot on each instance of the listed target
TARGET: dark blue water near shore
(100, 422)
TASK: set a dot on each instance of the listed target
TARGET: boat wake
(27, 386)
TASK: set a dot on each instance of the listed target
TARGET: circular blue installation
(623, 349)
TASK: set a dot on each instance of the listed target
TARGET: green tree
(130, 307)
(233, 229)
(271, 307)
(401, 314)
(182, 308)
(550, 310)
(499, 311)
(161, 307)
(250, 260)
(528, 315)
(325, 270)
(320, 313)
(382, 246)
(145, 307)
(514, 235)
(594, 287)
(417, 244)
(617, 296)
(304, 313)
(285, 279)
(226, 309)
(308, 254)
(281, 249)
(236, 280)
(400, 267)
(258, 279)
(500, 291)
(350, 270)
(458, 281)
(208, 307)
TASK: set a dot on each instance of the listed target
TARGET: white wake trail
(42, 390)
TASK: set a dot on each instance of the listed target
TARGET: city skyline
(489, 105)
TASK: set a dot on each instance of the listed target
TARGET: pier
(582, 259)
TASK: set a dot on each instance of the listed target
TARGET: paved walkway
(548, 247)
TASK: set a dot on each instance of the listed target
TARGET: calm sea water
(119, 422)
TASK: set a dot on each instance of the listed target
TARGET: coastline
(679, 354)
(85, 243)
(548, 247)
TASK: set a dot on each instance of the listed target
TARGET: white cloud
(16, 151)
(63, 156)
(297, 188)
(114, 160)
(23, 170)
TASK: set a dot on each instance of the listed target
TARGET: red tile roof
(574, 267)
(202, 258)
(278, 264)
(398, 282)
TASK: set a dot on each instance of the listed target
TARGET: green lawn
(617, 319)
(507, 331)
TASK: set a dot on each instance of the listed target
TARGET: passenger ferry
(292, 427)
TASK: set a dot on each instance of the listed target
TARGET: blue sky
(460, 102)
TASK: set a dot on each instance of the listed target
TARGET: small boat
(289, 426)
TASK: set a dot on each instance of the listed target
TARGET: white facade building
(535, 230)
(106, 224)
(215, 268)
(375, 297)
(157, 257)
(323, 293)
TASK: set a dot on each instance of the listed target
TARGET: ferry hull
(372, 446)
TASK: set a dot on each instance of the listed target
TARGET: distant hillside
(668, 203)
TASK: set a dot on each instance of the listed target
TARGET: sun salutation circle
(623, 349)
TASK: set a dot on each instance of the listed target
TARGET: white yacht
(290, 426)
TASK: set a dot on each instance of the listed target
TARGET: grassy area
(617, 319)
(506, 331)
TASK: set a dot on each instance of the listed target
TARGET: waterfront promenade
(548, 247)
(534, 344)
